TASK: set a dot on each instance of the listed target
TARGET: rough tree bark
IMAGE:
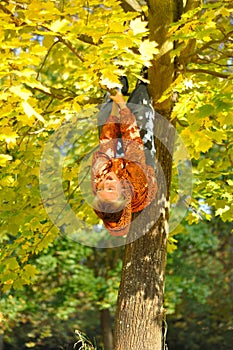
(140, 314)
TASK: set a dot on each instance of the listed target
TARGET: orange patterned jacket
(138, 177)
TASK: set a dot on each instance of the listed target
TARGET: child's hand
(119, 99)
(115, 109)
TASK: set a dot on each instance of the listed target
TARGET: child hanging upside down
(125, 185)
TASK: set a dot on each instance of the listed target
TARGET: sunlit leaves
(204, 109)
(55, 59)
(138, 26)
(30, 111)
(4, 158)
(148, 50)
(9, 136)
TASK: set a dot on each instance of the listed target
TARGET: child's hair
(109, 211)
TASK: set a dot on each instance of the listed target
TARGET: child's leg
(109, 136)
(132, 142)
(139, 103)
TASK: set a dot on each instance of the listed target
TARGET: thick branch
(191, 4)
(162, 69)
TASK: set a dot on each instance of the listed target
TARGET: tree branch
(45, 58)
(228, 154)
(8, 12)
(58, 94)
(191, 4)
(208, 45)
(18, 4)
(54, 93)
(71, 47)
(67, 44)
(207, 60)
(131, 5)
(206, 71)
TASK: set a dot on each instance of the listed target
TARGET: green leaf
(12, 264)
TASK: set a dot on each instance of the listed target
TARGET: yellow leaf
(30, 344)
(8, 136)
(18, 91)
(30, 111)
(58, 26)
(109, 79)
(8, 181)
(116, 27)
(198, 140)
(4, 158)
(148, 49)
(138, 26)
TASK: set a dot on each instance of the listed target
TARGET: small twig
(36, 132)
(66, 43)
(71, 47)
(206, 71)
(208, 61)
(87, 9)
(16, 20)
(208, 45)
(54, 94)
(45, 58)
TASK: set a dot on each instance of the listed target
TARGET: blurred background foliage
(75, 283)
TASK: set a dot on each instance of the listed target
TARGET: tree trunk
(140, 306)
(106, 327)
(140, 313)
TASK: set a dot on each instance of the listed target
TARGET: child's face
(109, 189)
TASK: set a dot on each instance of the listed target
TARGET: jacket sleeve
(109, 136)
(132, 142)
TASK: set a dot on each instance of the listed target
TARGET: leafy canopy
(57, 59)
(204, 111)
